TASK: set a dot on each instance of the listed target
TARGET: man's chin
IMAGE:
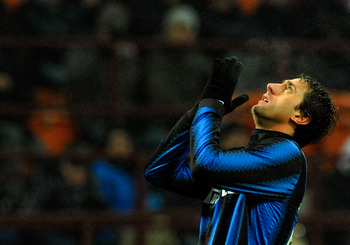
(258, 111)
(255, 109)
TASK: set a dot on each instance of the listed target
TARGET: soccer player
(251, 195)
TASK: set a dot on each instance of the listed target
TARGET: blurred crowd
(70, 90)
(230, 18)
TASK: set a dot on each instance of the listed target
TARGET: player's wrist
(215, 104)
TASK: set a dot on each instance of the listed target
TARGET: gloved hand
(222, 82)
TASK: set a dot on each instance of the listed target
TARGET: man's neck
(281, 129)
(286, 128)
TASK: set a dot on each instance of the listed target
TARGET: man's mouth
(264, 98)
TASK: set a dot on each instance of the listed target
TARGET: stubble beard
(260, 117)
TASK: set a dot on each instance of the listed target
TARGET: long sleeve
(271, 168)
(169, 168)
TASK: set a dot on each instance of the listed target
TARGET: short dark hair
(319, 107)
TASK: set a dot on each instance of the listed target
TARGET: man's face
(279, 103)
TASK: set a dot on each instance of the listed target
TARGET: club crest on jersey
(215, 194)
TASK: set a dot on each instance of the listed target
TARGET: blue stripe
(173, 150)
(214, 160)
(276, 188)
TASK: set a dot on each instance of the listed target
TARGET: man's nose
(274, 88)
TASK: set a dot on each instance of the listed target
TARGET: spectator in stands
(67, 185)
(112, 20)
(114, 174)
(64, 185)
(51, 127)
(13, 137)
(13, 142)
(161, 232)
(175, 73)
(54, 18)
(116, 180)
(54, 182)
(88, 71)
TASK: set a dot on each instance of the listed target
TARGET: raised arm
(271, 169)
(168, 168)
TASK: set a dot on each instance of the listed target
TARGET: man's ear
(300, 119)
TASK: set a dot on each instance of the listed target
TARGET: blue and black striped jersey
(251, 194)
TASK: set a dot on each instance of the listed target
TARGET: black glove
(237, 102)
(222, 82)
(192, 112)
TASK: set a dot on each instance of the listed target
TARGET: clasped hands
(222, 83)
